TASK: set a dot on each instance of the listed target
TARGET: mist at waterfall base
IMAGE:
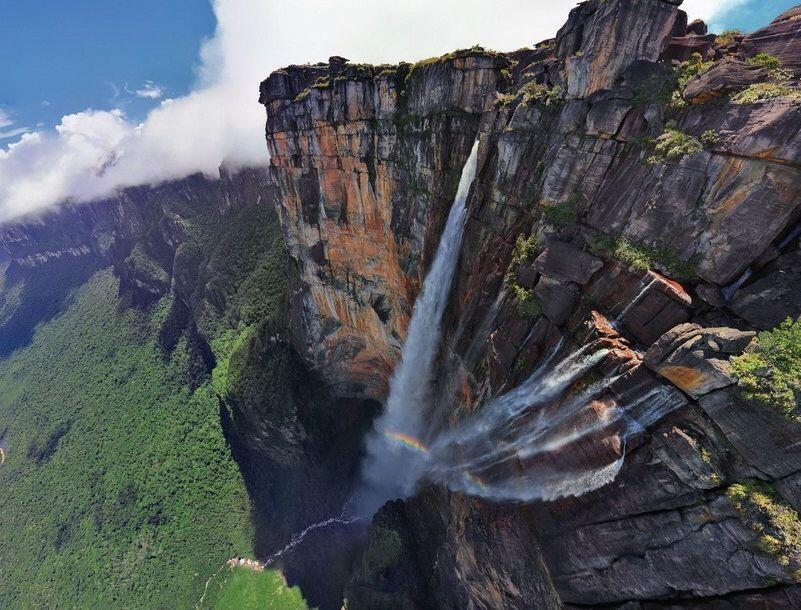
(513, 448)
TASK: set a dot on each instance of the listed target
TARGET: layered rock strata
(651, 204)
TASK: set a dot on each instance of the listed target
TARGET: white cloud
(13, 133)
(5, 122)
(93, 152)
(150, 90)
(5, 119)
(710, 10)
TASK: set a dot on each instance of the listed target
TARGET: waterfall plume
(392, 468)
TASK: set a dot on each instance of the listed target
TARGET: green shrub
(771, 62)
(688, 70)
(525, 249)
(644, 257)
(728, 37)
(760, 92)
(710, 137)
(770, 369)
(778, 525)
(527, 304)
(673, 145)
(384, 548)
(533, 93)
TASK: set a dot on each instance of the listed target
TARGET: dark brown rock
(603, 39)
(696, 359)
(766, 439)
(774, 296)
(683, 48)
(726, 76)
(556, 298)
(563, 261)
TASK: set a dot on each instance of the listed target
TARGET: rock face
(671, 256)
(367, 165)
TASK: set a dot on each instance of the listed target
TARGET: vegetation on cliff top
(770, 369)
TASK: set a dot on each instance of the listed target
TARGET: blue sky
(753, 14)
(59, 57)
(74, 54)
(113, 84)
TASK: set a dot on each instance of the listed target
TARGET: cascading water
(391, 469)
(646, 285)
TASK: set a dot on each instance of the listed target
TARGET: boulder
(556, 298)
(726, 76)
(696, 359)
(682, 48)
(563, 261)
(774, 296)
(697, 27)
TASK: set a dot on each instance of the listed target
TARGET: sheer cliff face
(598, 147)
(367, 163)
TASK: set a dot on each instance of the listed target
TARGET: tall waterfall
(391, 469)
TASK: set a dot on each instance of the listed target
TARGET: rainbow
(474, 479)
(408, 441)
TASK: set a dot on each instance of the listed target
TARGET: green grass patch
(238, 588)
(561, 215)
(644, 257)
(778, 525)
(761, 92)
(770, 369)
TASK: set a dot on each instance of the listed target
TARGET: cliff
(639, 182)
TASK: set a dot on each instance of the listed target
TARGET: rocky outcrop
(605, 208)
(780, 39)
(696, 359)
(727, 76)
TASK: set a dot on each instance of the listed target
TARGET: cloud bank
(93, 152)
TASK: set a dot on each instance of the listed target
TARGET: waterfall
(391, 469)
(639, 297)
